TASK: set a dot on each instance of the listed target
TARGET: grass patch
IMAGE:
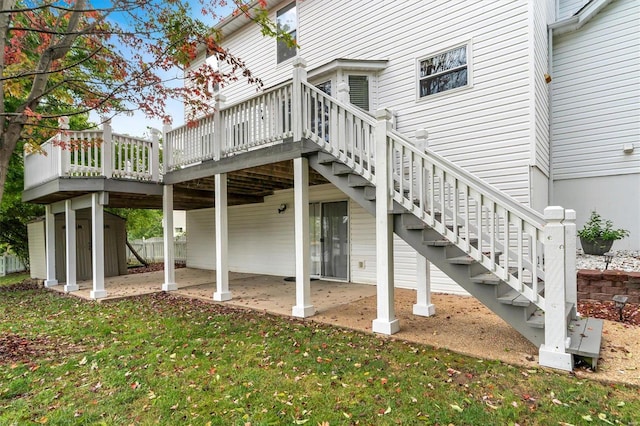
(13, 278)
(167, 360)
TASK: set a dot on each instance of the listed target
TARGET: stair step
(461, 260)
(357, 181)
(326, 158)
(410, 221)
(586, 338)
(513, 297)
(486, 278)
(340, 169)
(438, 243)
(536, 319)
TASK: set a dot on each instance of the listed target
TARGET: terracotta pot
(597, 247)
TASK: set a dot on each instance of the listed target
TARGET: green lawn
(165, 360)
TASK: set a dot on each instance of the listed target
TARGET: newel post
(63, 149)
(299, 77)
(107, 142)
(386, 322)
(571, 282)
(166, 148)
(553, 351)
(155, 155)
(218, 127)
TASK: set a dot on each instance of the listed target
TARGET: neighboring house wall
(596, 88)
(488, 128)
(37, 259)
(262, 241)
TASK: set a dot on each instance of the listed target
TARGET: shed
(115, 249)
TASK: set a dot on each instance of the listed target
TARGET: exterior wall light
(282, 208)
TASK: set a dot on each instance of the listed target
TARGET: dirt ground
(464, 325)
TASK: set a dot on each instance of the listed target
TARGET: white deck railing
(258, 122)
(91, 153)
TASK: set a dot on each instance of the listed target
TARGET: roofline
(580, 18)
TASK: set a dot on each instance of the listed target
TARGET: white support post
(64, 150)
(423, 306)
(553, 351)
(70, 227)
(303, 307)
(219, 140)
(155, 155)
(97, 246)
(50, 242)
(299, 76)
(166, 148)
(570, 245)
(169, 258)
(107, 147)
(386, 322)
(222, 292)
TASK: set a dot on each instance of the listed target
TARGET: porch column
(299, 77)
(553, 351)
(386, 322)
(50, 243)
(169, 259)
(107, 142)
(303, 307)
(70, 228)
(97, 245)
(423, 306)
(222, 292)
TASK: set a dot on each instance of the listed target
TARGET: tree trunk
(8, 143)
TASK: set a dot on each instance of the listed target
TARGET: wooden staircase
(486, 286)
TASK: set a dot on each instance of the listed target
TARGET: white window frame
(285, 6)
(469, 65)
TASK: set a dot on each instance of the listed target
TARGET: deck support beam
(50, 230)
(222, 292)
(167, 233)
(303, 307)
(386, 322)
(70, 228)
(423, 306)
(97, 245)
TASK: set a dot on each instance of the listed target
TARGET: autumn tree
(69, 57)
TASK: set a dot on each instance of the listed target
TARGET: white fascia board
(581, 17)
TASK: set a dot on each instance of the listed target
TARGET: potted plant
(598, 235)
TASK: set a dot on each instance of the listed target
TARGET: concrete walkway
(261, 292)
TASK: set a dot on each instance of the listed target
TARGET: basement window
(444, 71)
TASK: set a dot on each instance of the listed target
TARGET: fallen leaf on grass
(456, 407)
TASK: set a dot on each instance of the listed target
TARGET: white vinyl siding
(596, 91)
(487, 128)
(542, 17)
(261, 241)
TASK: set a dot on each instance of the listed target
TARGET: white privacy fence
(91, 153)
(9, 264)
(152, 249)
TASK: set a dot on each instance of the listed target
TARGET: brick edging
(595, 284)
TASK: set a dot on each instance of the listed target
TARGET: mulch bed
(607, 310)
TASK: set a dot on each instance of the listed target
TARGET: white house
(438, 121)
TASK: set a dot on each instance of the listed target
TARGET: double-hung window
(444, 71)
(287, 22)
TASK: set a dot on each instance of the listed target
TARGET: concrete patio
(261, 292)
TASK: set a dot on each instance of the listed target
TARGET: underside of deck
(251, 177)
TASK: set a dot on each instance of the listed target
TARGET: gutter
(580, 18)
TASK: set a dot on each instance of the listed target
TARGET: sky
(138, 124)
